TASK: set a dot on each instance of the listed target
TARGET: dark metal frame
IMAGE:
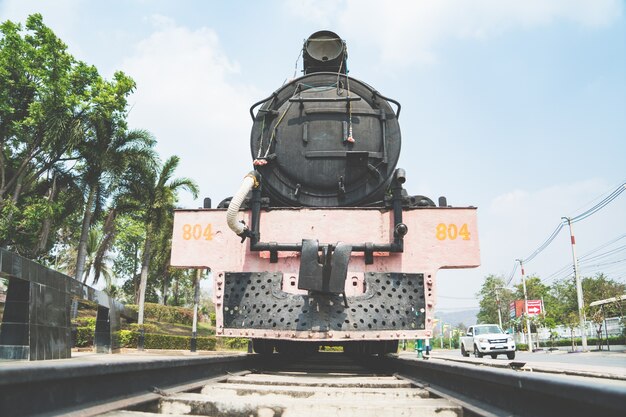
(395, 246)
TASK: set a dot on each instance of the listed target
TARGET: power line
(511, 275)
(584, 259)
(604, 245)
(607, 263)
(545, 244)
(608, 191)
(602, 255)
(599, 206)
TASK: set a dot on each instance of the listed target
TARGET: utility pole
(498, 304)
(443, 327)
(530, 340)
(196, 299)
(579, 287)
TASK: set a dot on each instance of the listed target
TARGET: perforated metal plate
(392, 301)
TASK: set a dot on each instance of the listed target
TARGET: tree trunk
(176, 288)
(18, 189)
(14, 199)
(145, 265)
(84, 235)
(47, 222)
(135, 280)
(166, 277)
(108, 236)
(2, 167)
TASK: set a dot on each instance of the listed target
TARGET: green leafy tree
(44, 92)
(78, 189)
(160, 195)
(128, 244)
(107, 151)
(535, 290)
(493, 296)
(601, 287)
(562, 301)
(136, 158)
(182, 286)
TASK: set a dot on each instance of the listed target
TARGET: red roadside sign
(534, 307)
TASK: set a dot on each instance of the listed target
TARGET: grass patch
(176, 329)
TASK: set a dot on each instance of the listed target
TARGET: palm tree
(93, 243)
(107, 157)
(160, 197)
(125, 195)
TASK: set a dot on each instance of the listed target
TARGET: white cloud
(407, 31)
(189, 97)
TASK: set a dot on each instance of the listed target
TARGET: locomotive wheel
(391, 346)
(296, 349)
(263, 346)
(382, 347)
(350, 349)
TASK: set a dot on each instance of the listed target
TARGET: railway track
(324, 384)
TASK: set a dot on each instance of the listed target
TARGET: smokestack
(324, 51)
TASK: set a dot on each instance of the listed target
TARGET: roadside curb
(525, 367)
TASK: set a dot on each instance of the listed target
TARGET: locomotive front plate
(392, 301)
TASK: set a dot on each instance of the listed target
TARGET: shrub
(85, 322)
(206, 343)
(129, 339)
(591, 341)
(165, 314)
(332, 348)
(147, 327)
(84, 336)
(234, 342)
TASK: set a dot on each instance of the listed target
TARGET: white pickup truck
(487, 339)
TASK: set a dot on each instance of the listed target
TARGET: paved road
(612, 364)
(603, 358)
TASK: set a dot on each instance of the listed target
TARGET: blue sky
(516, 107)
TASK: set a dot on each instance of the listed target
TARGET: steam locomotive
(322, 245)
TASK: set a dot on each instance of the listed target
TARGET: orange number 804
(452, 231)
(197, 232)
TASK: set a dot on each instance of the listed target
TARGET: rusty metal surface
(392, 302)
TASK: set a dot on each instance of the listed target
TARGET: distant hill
(467, 317)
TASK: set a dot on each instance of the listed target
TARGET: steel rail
(509, 392)
(62, 387)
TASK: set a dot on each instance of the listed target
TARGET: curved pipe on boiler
(250, 181)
